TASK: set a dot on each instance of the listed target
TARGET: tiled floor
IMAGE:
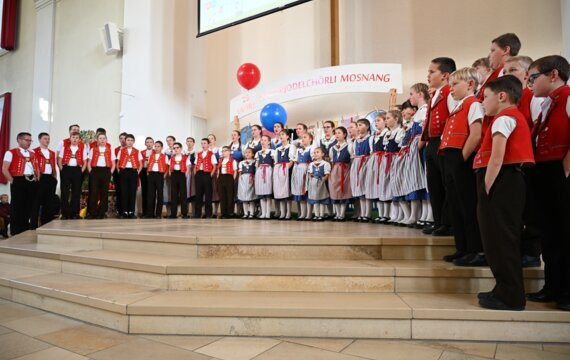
(28, 333)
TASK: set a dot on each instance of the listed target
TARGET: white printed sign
(357, 78)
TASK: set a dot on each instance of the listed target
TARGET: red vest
(96, 153)
(42, 161)
(117, 149)
(524, 106)
(67, 155)
(145, 157)
(18, 164)
(519, 146)
(481, 95)
(182, 163)
(208, 166)
(553, 132)
(436, 115)
(456, 129)
(92, 144)
(229, 166)
(66, 142)
(161, 163)
(125, 157)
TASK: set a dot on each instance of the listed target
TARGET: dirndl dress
(339, 179)
(246, 187)
(358, 167)
(317, 187)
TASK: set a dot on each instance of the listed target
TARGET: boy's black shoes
(564, 303)
(456, 255)
(491, 302)
(543, 295)
(428, 229)
(443, 230)
(471, 260)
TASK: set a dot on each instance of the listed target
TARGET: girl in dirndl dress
(276, 141)
(282, 176)
(415, 184)
(339, 180)
(361, 148)
(318, 194)
(302, 159)
(392, 142)
(264, 160)
(373, 173)
(246, 188)
(255, 142)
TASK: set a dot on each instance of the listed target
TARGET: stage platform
(263, 278)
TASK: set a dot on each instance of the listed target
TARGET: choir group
(481, 153)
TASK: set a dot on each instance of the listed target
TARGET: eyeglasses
(532, 78)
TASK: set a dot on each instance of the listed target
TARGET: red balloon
(248, 75)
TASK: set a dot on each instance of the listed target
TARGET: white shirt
(325, 164)
(213, 159)
(451, 104)
(48, 170)
(476, 111)
(59, 148)
(29, 168)
(338, 148)
(73, 160)
(504, 125)
(178, 160)
(129, 164)
(246, 164)
(420, 115)
(101, 159)
(225, 163)
(155, 165)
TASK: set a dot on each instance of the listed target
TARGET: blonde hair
(482, 62)
(466, 74)
(397, 114)
(523, 61)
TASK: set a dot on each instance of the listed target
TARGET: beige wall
(17, 70)
(86, 82)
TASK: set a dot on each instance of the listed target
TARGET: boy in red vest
(529, 106)
(100, 165)
(502, 48)
(227, 173)
(72, 162)
(117, 176)
(130, 163)
(551, 136)
(157, 169)
(460, 140)
(204, 170)
(146, 153)
(44, 203)
(21, 170)
(439, 107)
(179, 165)
(72, 129)
(501, 191)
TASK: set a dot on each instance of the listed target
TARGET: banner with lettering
(356, 78)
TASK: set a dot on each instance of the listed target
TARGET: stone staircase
(269, 278)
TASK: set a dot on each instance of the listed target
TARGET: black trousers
(178, 193)
(435, 183)
(143, 176)
(71, 178)
(129, 184)
(553, 207)
(531, 238)
(226, 187)
(500, 217)
(461, 190)
(118, 196)
(44, 207)
(155, 194)
(99, 179)
(203, 181)
(22, 196)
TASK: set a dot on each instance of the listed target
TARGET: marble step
(239, 239)
(146, 310)
(180, 273)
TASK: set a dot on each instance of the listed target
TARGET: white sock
(262, 204)
(324, 210)
(336, 211)
(302, 209)
(429, 216)
(416, 208)
(309, 211)
(276, 205)
(267, 208)
(394, 211)
(282, 206)
(288, 206)
(424, 211)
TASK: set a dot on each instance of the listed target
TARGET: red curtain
(9, 14)
(5, 131)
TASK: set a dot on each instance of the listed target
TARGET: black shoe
(428, 229)
(186, 217)
(491, 302)
(530, 261)
(471, 260)
(564, 303)
(443, 230)
(419, 225)
(172, 217)
(543, 295)
(484, 295)
(456, 255)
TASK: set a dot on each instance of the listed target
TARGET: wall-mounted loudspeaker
(111, 38)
